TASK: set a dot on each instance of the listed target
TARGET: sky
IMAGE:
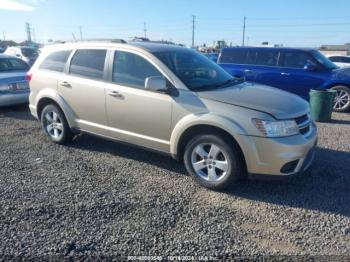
(289, 22)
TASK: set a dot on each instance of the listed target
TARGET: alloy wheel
(210, 162)
(53, 125)
(342, 100)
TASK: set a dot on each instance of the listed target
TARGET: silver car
(175, 101)
(14, 88)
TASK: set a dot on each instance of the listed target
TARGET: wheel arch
(49, 96)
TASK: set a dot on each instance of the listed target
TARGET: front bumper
(284, 156)
(8, 99)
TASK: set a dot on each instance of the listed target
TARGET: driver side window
(132, 70)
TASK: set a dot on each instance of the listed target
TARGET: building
(331, 50)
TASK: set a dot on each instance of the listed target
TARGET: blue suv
(290, 69)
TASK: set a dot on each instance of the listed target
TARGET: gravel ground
(96, 197)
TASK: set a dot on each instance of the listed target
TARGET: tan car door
(134, 114)
(83, 89)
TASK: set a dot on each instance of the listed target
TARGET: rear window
(266, 58)
(88, 63)
(29, 52)
(12, 64)
(234, 56)
(56, 61)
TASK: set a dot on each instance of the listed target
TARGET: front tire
(213, 162)
(55, 125)
(342, 99)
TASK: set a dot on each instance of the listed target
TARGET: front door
(135, 114)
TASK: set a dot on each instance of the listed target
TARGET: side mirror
(18, 55)
(310, 67)
(156, 83)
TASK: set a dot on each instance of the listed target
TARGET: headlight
(276, 128)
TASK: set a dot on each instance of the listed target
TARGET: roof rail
(97, 40)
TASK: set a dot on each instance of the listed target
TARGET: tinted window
(132, 70)
(335, 59)
(266, 57)
(88, 63)
(346, 60)
(324, 61)
(234, 56)
(29, 52)
(12, 64)
(56, 61)
(295, 59)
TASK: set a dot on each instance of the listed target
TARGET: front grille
(304, 123)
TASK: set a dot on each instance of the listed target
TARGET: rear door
(262, 66)
(233, 60)
(83, 89)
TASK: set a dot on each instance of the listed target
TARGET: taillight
(29, 77)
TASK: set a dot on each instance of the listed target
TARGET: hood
(276, 102)
(12, 77)
(341, 73)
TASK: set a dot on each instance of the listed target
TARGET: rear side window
(88, 63)
(294, 59)
(132, 70)
(346, 59)
(335, 59)
(56, 61)
(237, 56)
(12, 64)
(267, 58)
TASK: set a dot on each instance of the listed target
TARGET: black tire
(346, 103)
(60, 123)
(230, 152)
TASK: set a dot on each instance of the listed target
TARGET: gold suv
(173, 100)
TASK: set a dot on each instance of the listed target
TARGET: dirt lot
(96, 197)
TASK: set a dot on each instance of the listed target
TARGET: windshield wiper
(202, 87)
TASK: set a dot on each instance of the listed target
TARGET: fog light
(289, 167)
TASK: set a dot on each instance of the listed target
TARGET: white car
(26, 53)
(341, 61)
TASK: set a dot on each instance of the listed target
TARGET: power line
(193, 26)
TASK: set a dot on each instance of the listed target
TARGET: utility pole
(243, 31)
(3, 34)
(75, 39)
(33, 31)
(193, 26)
(29, 33)
(145, 29)
(81, 33)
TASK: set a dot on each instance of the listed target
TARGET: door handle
(65, 84)
(248, 71)
(115, 94)
(285, 74)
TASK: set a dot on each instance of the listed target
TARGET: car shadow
(340, 121)
(325, 187)
(20, 112)
(97, 144)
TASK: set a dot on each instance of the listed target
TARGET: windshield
(323, 60)
(29, 52)
(12, 64)
(195, 70)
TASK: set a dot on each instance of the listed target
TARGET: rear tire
(55, 125)
(342, 99)
(212, 162)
